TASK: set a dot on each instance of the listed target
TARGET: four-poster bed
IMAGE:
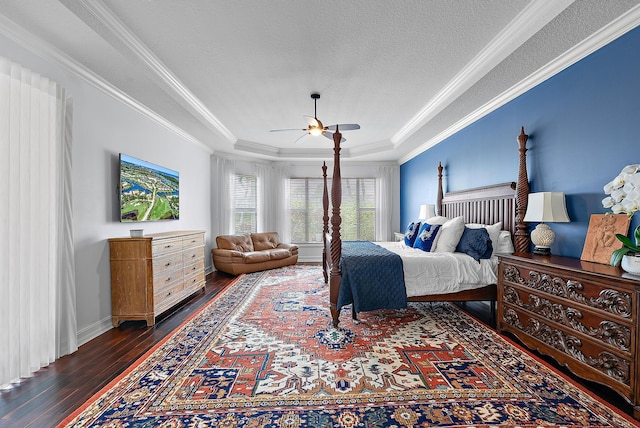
(488, 205)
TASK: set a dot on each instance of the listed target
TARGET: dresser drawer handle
(168, 294)
(168, 279)
(168, 264)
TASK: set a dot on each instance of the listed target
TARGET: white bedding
(428, 273)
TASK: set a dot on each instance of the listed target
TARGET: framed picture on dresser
(601, 238)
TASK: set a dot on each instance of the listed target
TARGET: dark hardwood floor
(54, 392)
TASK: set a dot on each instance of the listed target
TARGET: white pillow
(493, 230)
(436, 220)
(449, 235)
(505, 244)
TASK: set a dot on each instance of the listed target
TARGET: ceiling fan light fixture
(315, 127)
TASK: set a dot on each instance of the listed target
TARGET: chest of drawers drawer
(166, 245)
(167, 263)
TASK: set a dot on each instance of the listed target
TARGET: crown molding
(623, 24)
(371, 149)
(276, 153)
(121, 38)
(45, 50)
(535, 16)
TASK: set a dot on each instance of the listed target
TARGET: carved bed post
(522, 240)
(325, 222)
(440, 193)
(336, 241)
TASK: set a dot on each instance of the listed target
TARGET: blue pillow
(476, 243)
(426, 236)
(411, 233)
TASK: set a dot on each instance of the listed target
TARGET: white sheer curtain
(222, 209)
(272, 208)
(37, 272)
(384, 202)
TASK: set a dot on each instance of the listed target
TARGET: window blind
(357, 209)
(245, 219)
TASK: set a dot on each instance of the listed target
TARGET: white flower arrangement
(624, 198)
(624, 191)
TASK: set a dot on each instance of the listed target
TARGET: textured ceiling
(409, 72)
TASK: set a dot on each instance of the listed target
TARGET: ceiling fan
(315, 127)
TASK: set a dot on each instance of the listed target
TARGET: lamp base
(542, 237)
(543, 251)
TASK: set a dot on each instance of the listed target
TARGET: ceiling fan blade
(344, 127)
(329, 135)
(300, 138)
(312, 121)
(289, 129)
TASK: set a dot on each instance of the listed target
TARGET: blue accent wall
(583, 126)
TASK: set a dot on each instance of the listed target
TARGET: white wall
(102, 128)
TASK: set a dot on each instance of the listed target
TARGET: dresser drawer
(166, 280)
(196, 267)
(611, 332)
(194, 280)
(587, 353)
(167, 263)
(163, 246)
(577, 289)
(193, 241)
(193, 255)
(166, 297)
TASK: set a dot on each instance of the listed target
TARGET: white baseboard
(94, 330)
(309, 259)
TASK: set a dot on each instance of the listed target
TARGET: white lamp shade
(427, 211)
(549, 207)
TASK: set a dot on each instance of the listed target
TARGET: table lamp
(427, 211)
(545, 207)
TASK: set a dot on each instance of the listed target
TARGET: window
(245, 218)
(357, 209)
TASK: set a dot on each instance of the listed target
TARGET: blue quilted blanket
(372, 278)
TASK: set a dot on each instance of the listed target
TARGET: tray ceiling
(224, 73)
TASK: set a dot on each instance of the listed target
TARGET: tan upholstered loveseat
(238, 254)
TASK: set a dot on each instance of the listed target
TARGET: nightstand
(398, 236)
(582, 314)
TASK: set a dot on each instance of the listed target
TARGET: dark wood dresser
(582, 314)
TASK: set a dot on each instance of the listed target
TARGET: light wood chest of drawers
(154, 273)
(583, 314)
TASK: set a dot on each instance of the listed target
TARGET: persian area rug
(264, 354)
